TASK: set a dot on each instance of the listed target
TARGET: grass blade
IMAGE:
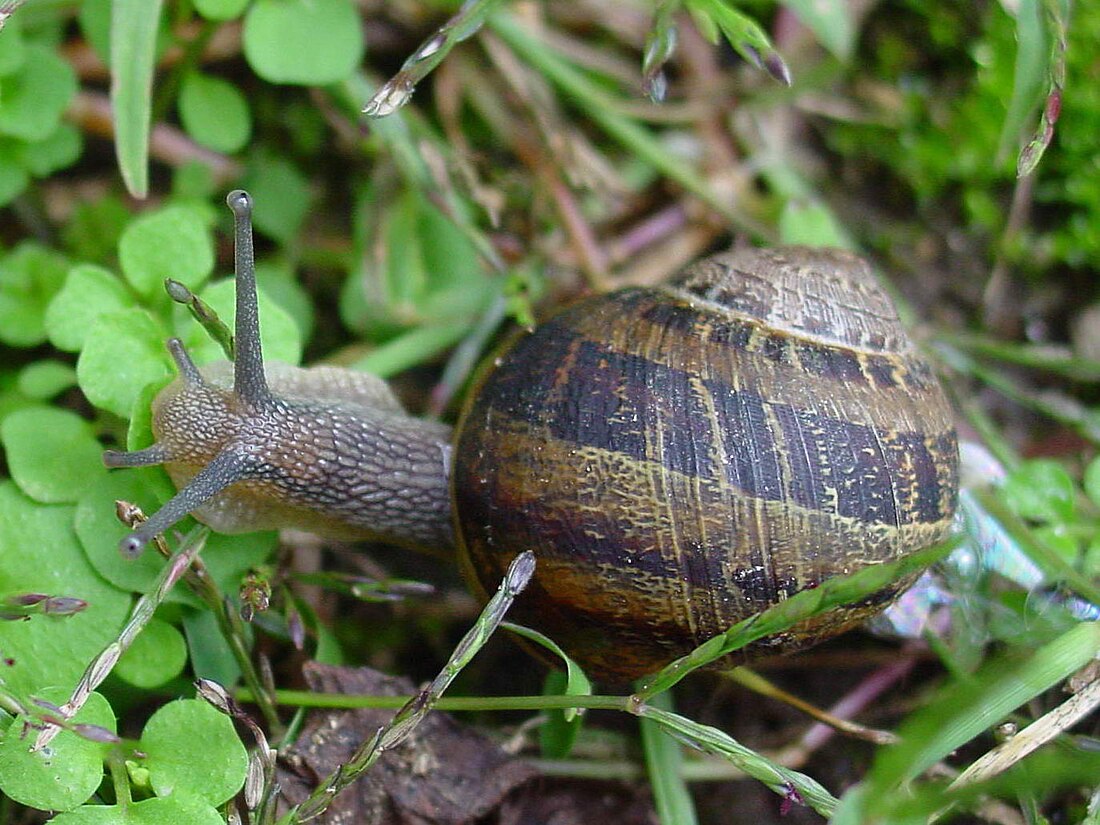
(664, 760)
(133, 49)
(967, 709)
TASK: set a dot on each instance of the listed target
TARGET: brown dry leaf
(563, 802)
(443, 774)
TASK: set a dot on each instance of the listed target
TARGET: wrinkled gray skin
(322, 449)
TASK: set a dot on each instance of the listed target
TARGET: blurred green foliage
(402, 244)
(957, 118)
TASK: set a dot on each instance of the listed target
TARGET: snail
(678, 458)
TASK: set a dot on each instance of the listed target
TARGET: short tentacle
(148, 457)
(187, 369)
(249, 382)
(226, 468)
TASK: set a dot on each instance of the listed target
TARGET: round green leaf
(13, 177)
(41, 555)
(1062, 541)
(100, 532)
(281, 194)
(1041, 490)
(229, 557)
(220, 9)
(156, 656)
(67, 771)
(214, 112)
(174, 810)
(279, 333)
(89, 292)
(173, 242)
(95, 26)
(279, 282)
(59, 150)
(13, 46)
(305, 42)
(194, 181)
(192, 749)
(93, 230)
(43, 380)
(36, 95)
(29, 278)
(52, 454)
(124, 351)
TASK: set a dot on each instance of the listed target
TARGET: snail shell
(683, 457)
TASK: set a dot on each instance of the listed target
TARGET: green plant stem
(1058, 406)
(308, 699)
(1058, 360)
(200, 582)
(417, 708)
(120, 780)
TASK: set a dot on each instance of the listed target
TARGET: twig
(413, 713)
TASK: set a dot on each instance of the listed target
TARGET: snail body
(678, 458)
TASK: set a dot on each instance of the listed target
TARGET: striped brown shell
(683, 457)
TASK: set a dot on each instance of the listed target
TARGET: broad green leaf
(93, 231)
(156, 656)
(831, 23)
(173, 242)
(42, 380)
(281, 194)
(303, 42)
(30, 276)
(1041, 490)
(52, 454)
(62, 775)
(41, 555)
(211, 656)
(278, 281)
(124, 351)
(59, 150)
(214, 112)
(228, 558)
(13, 47)
(100, 531)
(133, 48)
(278, 332)
(13, 177)
(35, 97)
(558, 733)
(220, 9)
(192, 749)
(173, 810)
(89, 292)
(95, 26)
(808, 221)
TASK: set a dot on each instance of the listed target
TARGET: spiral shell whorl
(829, 296)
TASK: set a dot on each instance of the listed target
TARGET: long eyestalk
(249, 382)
